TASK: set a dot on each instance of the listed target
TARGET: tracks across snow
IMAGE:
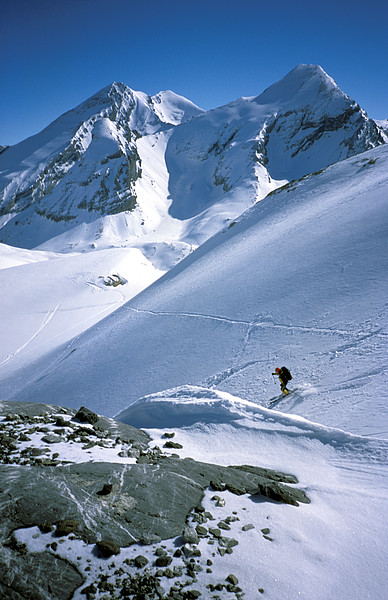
(259, 324)
(46, 320)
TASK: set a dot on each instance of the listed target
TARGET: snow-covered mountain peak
(302, 84)
(173, 108)
(164, 107)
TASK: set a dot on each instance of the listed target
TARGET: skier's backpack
(287, 373)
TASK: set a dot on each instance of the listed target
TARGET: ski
(276, 399)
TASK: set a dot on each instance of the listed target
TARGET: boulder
(85, 415)
(107, 548)
(175, 445)
(65, 527)
(163, 561)
(140, 561)
(190, 536)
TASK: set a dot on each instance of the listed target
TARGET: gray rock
(215, 531)
(227, 542)
(191, 550)
(34, 451)
(172, 445)
(192, 594)
(201, 530)
(147, 503)
(107, 548)
(85, 415)
(247, 527)
(51, 438)
(65, 527)
(268, 473)
(9, 442)
(281, 493)
(190, 535)
(140, 561)
(13, 417)
(20, 576)
(266, 530)
(166, 493)
(163, 561)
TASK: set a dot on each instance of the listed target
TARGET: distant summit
(304, 79)
(124, 166)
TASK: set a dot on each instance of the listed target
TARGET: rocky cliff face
(90, 160)
(299, 125)
(55, 507)
(86, 163)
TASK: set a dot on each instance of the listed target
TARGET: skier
(284, 377)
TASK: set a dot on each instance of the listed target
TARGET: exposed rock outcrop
(110, 504)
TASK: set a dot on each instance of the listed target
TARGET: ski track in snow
(215, 380)
(51, 314)
(48, 317)
(354, 339)
(260, 324)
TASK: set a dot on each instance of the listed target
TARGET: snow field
(51, 299)
(299, 280)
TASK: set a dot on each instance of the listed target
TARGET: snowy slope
(13, 257)
(47, 298)
(299, 280)
(321, 551)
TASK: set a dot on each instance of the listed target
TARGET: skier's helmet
(277, 370)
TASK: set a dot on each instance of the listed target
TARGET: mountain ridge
(160, 161)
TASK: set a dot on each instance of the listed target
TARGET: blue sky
(55, 54)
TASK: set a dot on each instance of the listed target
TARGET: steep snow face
(83, 165)
(172, 108)
(315, 124)
(299, 280)
(297, 126)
